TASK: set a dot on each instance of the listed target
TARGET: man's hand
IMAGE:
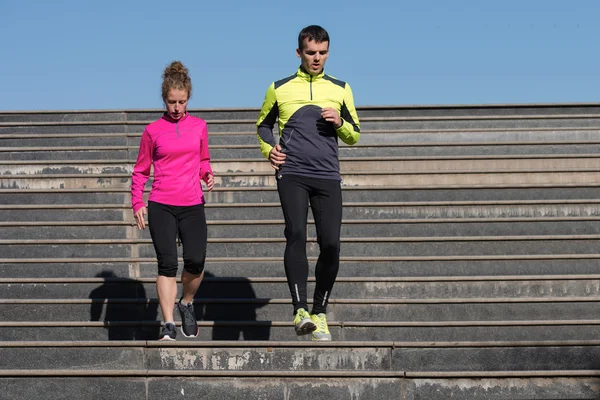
(332, 115)
(276, 157)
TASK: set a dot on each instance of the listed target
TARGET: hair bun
(176, 67)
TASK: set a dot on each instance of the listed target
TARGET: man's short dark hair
(312, 32)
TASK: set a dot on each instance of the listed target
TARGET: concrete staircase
(469, 262)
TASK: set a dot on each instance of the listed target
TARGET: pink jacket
(179, 152)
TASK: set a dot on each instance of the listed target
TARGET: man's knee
(330, 246)
(297, 235)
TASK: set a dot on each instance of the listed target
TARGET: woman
(177, 146)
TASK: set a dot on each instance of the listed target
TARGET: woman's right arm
(139, 177)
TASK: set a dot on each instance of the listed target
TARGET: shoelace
(322, 323)
(188, 314)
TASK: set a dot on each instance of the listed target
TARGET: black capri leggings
(166, 222)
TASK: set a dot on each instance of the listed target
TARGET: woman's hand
(139, 217)
(210, 181)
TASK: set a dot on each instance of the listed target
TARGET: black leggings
(166, 222)
(325, 197)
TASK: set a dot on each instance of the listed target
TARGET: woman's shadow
(231, 304)
(129, 315)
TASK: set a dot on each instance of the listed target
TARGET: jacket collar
(308, 77)
(168, 118)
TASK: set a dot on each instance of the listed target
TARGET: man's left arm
(349, 131)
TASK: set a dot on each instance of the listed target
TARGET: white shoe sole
(183, 333)
(305, 327)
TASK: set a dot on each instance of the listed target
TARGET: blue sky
(68, 54)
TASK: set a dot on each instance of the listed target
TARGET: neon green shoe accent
(303, 324)
(322, 331)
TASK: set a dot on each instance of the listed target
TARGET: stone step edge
(342, 146)
(130, 162)
(494, 257)
(200, 344)
(475, 203)
(272, 301)
(68, 373)
(344, 188)
(288, 324)
(404, 239)
(118, 175)
(364, 119)
(385, 221)
(351, 279)
(365, 132)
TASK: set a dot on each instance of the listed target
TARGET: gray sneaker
(189, 326)
(168, 332)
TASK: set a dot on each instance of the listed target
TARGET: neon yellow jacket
(310, 142)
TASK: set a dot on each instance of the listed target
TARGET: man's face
(313, 56)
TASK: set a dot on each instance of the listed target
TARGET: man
(314, 110)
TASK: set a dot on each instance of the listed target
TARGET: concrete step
(38, 154)
(102, 305)
(426, 331)
(350, 228)
(248, 113)
(367, 123)
(491, 265)
(219, 152)
(415, 212)
(403, 165)
(224, 179)
(296, 357)
(397, 212)
(448, 139)
(368, 111)
(414, 193)
(353, 247)
(60, 116)
(356, 178)
(143, 385)
(148, 385)
(366, 288)
(73, 140)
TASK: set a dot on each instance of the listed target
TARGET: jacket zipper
(177, 128)
(311, 87)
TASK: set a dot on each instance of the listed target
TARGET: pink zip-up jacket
(179, 152)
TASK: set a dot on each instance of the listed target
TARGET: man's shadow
(129, 315)
(232, 306)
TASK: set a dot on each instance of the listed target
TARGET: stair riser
(369, 211)
(282, 359)
(491, 228)
(344, 152)
(303, 388)
(362, 290)
(347, 268)
(249, 125)
(350, 194)
(119, 311)
(411, 334)
(366, 249)
(415, 180)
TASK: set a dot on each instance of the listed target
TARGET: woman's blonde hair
(176, 76)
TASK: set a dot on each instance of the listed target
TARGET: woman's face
(176, 103)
